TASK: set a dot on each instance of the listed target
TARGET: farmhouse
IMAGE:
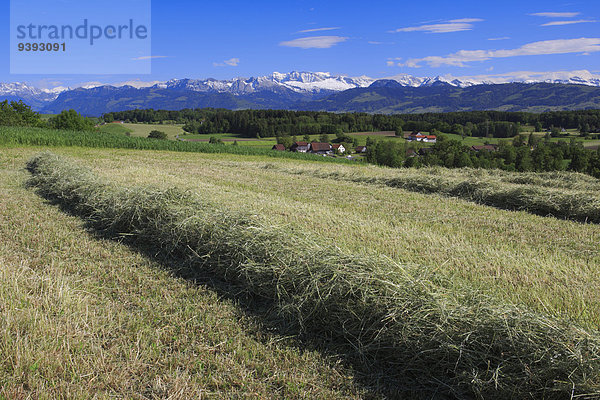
(416, 136)
(320, 148)
(361, 149)
(419, 137)
(278, 147)
(338, 147)
(300, 147)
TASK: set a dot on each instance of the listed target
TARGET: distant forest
(273, 123)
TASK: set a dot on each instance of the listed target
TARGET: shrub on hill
(18, 114)
(154, 134)
(71, 120)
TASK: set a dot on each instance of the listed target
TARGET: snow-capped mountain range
(320, 91)
(313, 83)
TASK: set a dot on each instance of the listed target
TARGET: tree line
(274, 123)
(523, 154)
(17, 113)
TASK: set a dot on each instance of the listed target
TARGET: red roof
(279, 147)
(431, 137)
(335, 146)
(320, 146)
(301, 144)
(360, 149)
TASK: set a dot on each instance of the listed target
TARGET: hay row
(426, 336)
(515, 192)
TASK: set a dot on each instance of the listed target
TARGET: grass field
(142, 130)
(489, 248)
(84, 317)
(56, 272)
(115, 129)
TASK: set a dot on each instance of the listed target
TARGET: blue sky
(226, 39)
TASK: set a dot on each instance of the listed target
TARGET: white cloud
(499, 38)
(454, 25)
(232, 62)
(556, 14)
(319, 29)
(577, 21)
(559, 46)
(315, 42)
(148, 57)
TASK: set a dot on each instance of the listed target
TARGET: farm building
(278, 147)
(338, 147)
(300, 147)
(320, 148)
(361, 149)
(419, 137)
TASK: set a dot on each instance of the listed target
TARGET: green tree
(17, 113)
(398, 130)
(71, 120)
(324, 138)
(154, 134)
(287, 141)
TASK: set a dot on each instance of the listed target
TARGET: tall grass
(560, 194)
(19, 136)
(428, 336)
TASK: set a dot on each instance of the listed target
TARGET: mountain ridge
(321, 91)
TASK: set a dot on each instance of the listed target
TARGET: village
(329, 149)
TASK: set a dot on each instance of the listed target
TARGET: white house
(338, 147)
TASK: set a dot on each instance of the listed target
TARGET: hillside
(378, 98)
(389, 97)
(455, 248)
(323, 91)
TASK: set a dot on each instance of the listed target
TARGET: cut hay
(563, 195)
(432, 339)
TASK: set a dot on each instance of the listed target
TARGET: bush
(71, 120)
(154, 134)
(17, 113)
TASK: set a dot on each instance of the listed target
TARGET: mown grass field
(84, 317)
(61, 280)
(494, 249)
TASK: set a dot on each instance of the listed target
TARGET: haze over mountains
(323, 91)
